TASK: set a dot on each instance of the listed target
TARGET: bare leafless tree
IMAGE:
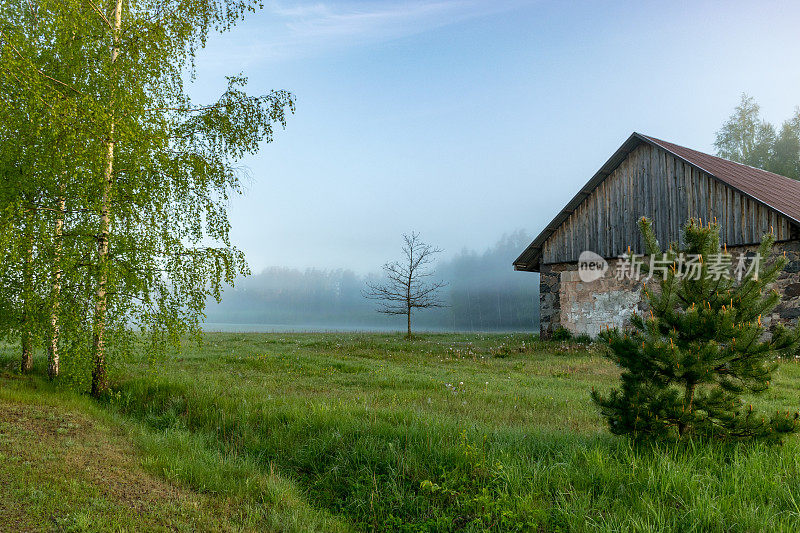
(407, 287)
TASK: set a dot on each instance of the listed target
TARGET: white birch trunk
(99, 373)
(27, 292)
(55, 307)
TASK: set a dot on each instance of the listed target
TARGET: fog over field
(484, 293)
(463, 120)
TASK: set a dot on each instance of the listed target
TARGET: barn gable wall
(652, 182)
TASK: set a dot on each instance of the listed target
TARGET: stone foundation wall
(788, 285)
(588, 308)
(549, 300)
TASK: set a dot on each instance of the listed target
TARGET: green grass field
(336, 432)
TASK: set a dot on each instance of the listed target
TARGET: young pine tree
(686, 365)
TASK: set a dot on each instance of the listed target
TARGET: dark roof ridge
(662, 142)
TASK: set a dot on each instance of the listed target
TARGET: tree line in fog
(483, 294)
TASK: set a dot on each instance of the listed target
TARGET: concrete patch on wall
(589, 308)
(610, 309)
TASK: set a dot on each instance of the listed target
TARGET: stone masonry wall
(787, 285)
(549, 300)
(588, 308)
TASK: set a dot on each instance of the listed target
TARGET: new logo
(591, 266)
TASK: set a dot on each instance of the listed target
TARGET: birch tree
(139, 232)
(169, 166)
(41, 149)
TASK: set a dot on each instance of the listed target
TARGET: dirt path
(61, 470)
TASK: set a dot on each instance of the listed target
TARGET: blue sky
(466, 119)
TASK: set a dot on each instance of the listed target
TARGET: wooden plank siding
(652, 182)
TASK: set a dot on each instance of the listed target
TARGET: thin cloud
(380, 21)
(285, 31)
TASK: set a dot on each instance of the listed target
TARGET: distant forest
(483, 294)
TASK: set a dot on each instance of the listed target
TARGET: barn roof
(777, 192)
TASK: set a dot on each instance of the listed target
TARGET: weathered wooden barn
(670, 184)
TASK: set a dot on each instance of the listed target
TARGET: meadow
(371, 432)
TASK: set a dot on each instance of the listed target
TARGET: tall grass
(454, 432)
(244, 495)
